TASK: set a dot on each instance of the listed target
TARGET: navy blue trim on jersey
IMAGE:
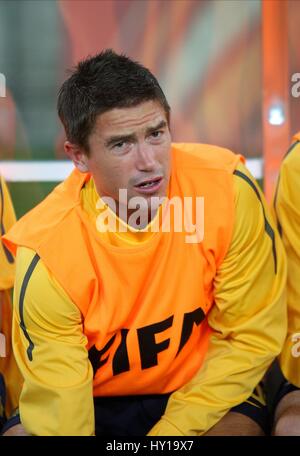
(26, 279)
(268, 228)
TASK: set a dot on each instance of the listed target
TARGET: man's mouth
(149, 185)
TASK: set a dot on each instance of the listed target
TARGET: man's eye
(156, 134)
(119, 145)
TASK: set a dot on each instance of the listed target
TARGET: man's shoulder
(292, 157)
(50, 210)
(64, 196)
(204, 156)
(40, 223)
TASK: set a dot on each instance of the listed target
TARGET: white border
(57, 171)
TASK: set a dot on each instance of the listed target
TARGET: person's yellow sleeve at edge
(8, 368)
(249, 322)
(57, 396)
(287, 211)
(7, 220)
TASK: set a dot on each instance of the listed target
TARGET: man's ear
(78, 157)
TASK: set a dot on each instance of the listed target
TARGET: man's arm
(1, 301)
(50, 348)
(7, 219)
(2, 336)
(287, 208)
(8, 368)
(248, 320)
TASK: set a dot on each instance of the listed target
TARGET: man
(132, 322)
(10, 378)
(287, 208)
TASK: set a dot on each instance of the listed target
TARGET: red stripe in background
(230, 94)
(92, 26)
(177, 17)
(7, 127)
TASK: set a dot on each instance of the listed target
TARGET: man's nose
(145, 157)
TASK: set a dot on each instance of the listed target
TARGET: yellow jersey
(287, 210)
(8, 367)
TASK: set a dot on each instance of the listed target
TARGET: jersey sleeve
(50, 349)
(7, 219)
(248, 319)
(287, 210)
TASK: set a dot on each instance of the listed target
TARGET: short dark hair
(100, 83)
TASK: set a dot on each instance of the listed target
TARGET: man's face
(130, 149)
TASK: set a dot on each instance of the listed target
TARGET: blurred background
(209, 56)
